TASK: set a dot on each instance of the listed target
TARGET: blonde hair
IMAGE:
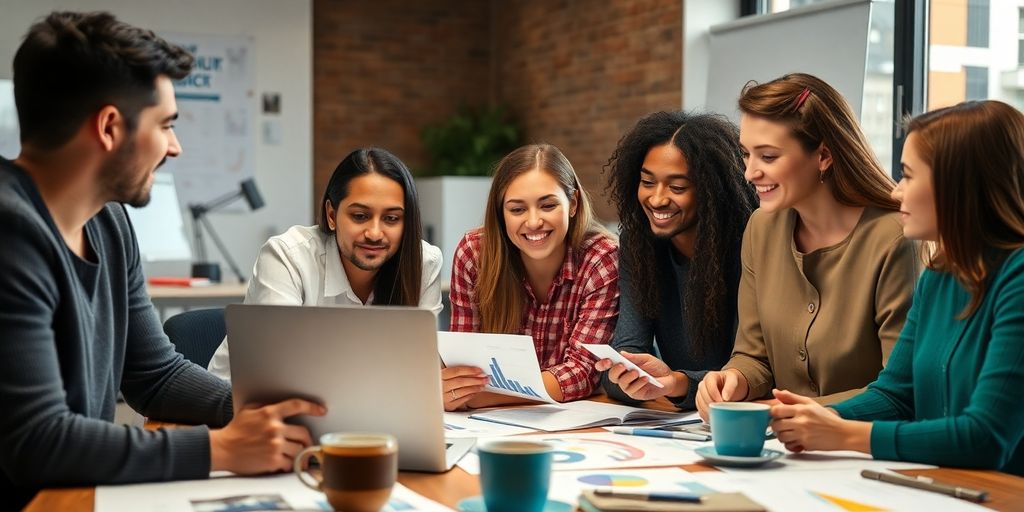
(501, 299)
(818, 115)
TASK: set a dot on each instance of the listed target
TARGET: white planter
(450, 206)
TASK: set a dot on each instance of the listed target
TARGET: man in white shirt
(367, 249)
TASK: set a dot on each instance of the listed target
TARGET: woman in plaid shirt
(552, 274)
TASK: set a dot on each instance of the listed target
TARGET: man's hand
(638, 388)
(724, 386)
(259, 441)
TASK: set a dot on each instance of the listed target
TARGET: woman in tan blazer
(827, 274)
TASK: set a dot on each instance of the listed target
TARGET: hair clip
(802, 98)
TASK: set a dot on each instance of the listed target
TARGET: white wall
(282, 33)
(698, 18)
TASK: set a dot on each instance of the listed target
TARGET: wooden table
(1006, 492)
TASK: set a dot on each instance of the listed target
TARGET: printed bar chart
(498, 380)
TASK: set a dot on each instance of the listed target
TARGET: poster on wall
(216, 112)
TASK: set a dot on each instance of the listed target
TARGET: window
(975, 51)
(1020, 37)
(976, 82)
(876, 102)
(977, 23)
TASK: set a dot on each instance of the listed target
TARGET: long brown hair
(499, 287)
(976, 152)
(818, 115)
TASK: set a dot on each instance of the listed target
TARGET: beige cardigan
(821, 324)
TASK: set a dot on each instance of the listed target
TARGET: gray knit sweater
(72, 334)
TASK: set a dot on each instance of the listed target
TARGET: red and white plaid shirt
(582, 307)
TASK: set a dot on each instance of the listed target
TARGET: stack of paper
(582, 414)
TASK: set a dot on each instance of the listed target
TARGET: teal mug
(515, 474)
(738, 428)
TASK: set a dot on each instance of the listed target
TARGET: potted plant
(453, 187)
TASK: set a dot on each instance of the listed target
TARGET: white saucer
(710, 455)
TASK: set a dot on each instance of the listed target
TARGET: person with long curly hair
(677, 181)
(949, 395)
(827, 274)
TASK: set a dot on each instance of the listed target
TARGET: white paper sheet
(820, 461)
(509, 359)
(601, 450)
(268, 491)
(460, 425)
(829, 490)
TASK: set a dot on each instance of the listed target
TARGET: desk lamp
(202, 267)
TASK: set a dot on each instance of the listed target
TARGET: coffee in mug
(358, 469)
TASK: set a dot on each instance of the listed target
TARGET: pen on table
(650, 496)
(679, 423)
(650, 432)
(926, 484)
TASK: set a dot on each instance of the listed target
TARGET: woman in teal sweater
(950, 394)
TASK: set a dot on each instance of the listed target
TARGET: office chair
(197, 334)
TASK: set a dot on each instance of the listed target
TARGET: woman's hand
(724, 386)
(639, 388)
(802, 424)
(459, 384)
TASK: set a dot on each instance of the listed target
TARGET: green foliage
(469, 143)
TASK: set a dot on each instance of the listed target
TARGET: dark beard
(120, 180)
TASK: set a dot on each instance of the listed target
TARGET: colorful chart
(498, 380)
(573, 450)
(613, 480)
(845, 504)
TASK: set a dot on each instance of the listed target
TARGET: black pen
(926, 484)
(650, 496)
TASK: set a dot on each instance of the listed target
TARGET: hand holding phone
(607, 352)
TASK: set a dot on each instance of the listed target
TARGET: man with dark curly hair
(677, 181)
(96, 107)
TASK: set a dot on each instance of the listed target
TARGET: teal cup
(738, 428)
(515, 474)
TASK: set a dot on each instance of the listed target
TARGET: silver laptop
(375, 368)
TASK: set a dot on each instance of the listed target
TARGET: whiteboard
(216, 112)
(828, 40)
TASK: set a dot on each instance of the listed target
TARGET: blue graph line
(498, 380)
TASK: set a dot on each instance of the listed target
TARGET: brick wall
(580, 73)
(383, 69)
(575, 73)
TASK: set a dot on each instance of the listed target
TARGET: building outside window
(975, 51)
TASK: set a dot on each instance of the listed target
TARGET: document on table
(605, 450)
(274, 492)
(460, 425)
(508, 359)
(840, 489)
(580, 414)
